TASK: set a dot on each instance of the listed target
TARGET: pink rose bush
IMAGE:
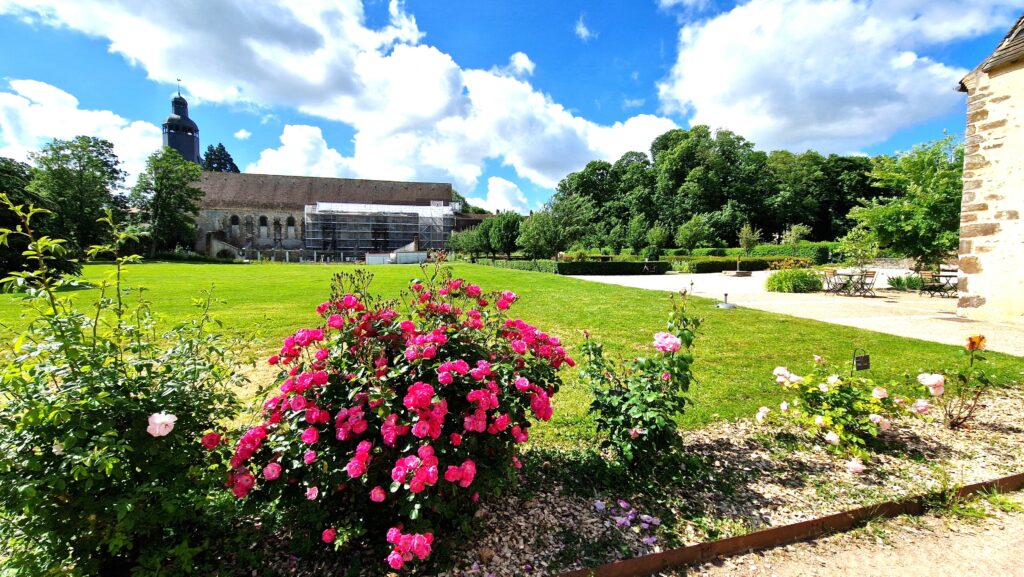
(636, 404)
(844, 412)
(391, 424)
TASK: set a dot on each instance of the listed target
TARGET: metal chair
(833, 283)
(865, 285)
(931, 283)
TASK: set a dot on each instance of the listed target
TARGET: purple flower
(651, 540)
(623, 504)
(599, 505)
(621, 521)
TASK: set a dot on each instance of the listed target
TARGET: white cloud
(242, 134)
(633, 102)
(416, 114)
(582, 32)
(502, 195)
(835, 75)
(698, 4)
(32, 113)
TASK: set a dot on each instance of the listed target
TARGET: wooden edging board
(784, 535)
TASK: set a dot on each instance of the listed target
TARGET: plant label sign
(861, 362)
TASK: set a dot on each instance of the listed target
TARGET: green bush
(677, 252)
(723, 263)
(793, 280)
(613, 268)
(637, 404)
(708, 252)
(817, 252)
(102, 471)
(534, 265)
(910, 282)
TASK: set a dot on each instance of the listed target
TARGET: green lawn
(735, 353)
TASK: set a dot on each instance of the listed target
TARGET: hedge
(613, 268)
(818, 252)
(707, 264)
(708, 252)
(534, 265)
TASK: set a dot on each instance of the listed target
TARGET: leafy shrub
(636, 404)
(910, 282)
(708, 252)
(793, 280)
(535, 265)
(189, 256)
(613, 268)
(677, 252)
(101, 466)
(816, 252)
(724, 263)
(969, 384)
(393, 427)
(844, 412)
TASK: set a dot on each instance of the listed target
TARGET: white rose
(160, 424)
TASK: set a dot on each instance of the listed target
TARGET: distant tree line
(80, 179)
(699, 188)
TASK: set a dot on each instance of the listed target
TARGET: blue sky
(500, 98)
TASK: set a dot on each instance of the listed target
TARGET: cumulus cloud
(835, 75)
(32, 113)
(519, 64)
(242, 134)
(582, 31)
(502, 195)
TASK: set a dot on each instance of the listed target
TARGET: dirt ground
(929, 546)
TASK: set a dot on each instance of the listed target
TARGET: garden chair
(865, 285)
(833, 284)
(931, 284)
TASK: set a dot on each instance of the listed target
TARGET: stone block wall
(991, 231)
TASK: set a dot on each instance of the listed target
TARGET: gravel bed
(754, 479)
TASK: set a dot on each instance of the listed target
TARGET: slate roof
(1010, 50)
(293, 193)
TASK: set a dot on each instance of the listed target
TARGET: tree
(795, 233)
(749, 237)
(504, 231)
(922, 219)
(539, 235)
(577, 220)
(467, 208)
(166, 199)
(636, 234)
(218, 159)
(859, 247)
(695, 233)
(76, 179)
(482, 240)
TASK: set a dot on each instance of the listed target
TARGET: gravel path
(903, 314)
(929, 546)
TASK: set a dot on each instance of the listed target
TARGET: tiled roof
(1010, 50)
(269, 191)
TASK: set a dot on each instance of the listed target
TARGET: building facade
(991, 232)
(258, 215)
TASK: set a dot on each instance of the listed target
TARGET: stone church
(991, 230)
(308, 218)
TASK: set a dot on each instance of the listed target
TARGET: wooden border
(786, 534)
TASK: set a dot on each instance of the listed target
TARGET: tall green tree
(636, 234)
(504, 231)
(218, 159)
(922, 218)
(167, 201)
(695, 233)
(540, 235)
(77, 179)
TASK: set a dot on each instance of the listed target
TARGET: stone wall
(991, 232)
(247, 228)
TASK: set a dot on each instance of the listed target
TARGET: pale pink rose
(781, 372)
(936, 382)
(921, 406)
(855, 466)
(874, 418)
(667, 342)
(761, 414)
(884, 424)
(823, 388)
(832, 438)
(819, 359)
(819, 420)
(635, 432)
(783, 406)
(879, 393)
(833, 379)
(312, 493)
(160, 424)
(795, 379)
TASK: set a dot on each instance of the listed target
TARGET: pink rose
(160, 424)
(855, 466)
(272, 471)
(832, 438)
(310, 436)
(936, 383)
(921, 406)
(210, 441)
(309, 457)
(761, 414)
(329, 535)
(377, 494)
(667, 342)
(312, 493)
(879, 393)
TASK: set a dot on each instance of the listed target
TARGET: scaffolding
(347, 231)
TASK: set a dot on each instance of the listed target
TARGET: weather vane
(179, 87)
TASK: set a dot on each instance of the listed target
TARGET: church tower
(180, 133)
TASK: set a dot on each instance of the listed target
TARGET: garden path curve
(902, 314)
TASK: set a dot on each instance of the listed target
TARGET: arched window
(235, 221)
(263, 221)
(290, 221)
